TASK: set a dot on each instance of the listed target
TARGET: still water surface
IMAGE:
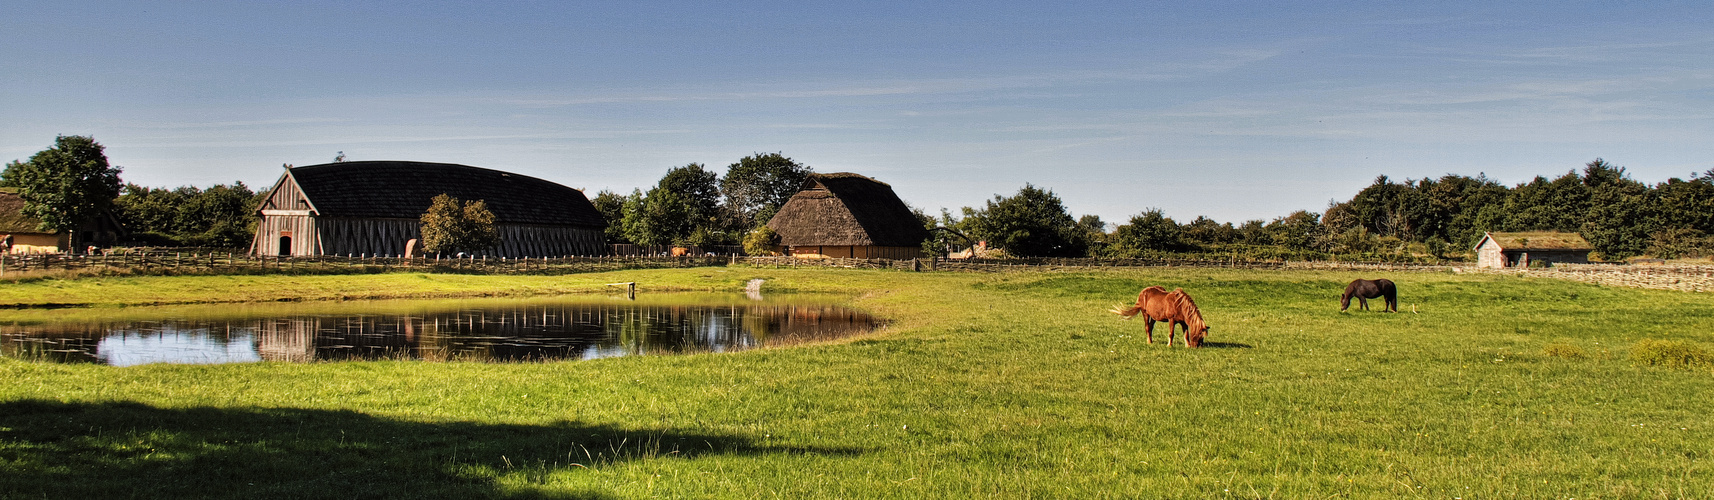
(499, 330)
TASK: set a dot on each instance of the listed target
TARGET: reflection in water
(525, 332)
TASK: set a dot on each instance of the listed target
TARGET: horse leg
(1362, 303)
(1149, 327)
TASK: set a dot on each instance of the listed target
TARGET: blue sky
(1233, 110)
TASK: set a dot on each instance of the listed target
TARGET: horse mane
(1187, 309)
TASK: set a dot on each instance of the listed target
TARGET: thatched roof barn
(1542, 248)
(22, 234)
(375, 208)
(848, 215)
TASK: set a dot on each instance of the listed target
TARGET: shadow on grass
(1227, 345)
(51, 449)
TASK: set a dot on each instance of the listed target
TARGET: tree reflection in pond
(500, 331)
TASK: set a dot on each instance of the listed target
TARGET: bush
(762, 241)
(1671, 354)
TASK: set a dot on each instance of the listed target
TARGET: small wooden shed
(22, 234)
(376, 207)
(1503, 250)
(851, 216)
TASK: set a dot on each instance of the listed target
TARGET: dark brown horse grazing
(1175, 308)
(1364, 290)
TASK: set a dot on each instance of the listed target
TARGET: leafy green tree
(663, 218)
(1464, 208)
(699, 191)
(1685, 204)
(758, 185)
(1680, 242)
(699, 187)
(612, 208)
(1032, 223)
(220, 216)
(1095, 232)
(1206, 231)
(1299, 231)
(65, 186)
(1618, 221)
(633, 223)
(150, 213)
(450, 226)
(1390, 209)
(1150, 231)
(1253, 232)
(1543, 205)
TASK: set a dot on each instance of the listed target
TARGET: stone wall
(1683, 278)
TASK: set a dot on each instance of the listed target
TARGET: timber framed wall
(356, 236)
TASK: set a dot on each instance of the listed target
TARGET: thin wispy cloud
(1235, 103)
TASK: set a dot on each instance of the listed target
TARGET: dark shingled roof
(845, 209)
(403, 190)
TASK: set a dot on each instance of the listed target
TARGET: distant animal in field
(1174, 308)
(1364, 290)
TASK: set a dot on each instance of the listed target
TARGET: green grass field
(1005, 384)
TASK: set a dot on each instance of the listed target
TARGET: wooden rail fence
(186, 263)
(1663, 277)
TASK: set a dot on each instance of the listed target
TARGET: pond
(496, 330)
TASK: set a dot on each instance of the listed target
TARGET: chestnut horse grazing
(1364, 290)
(1175, 308)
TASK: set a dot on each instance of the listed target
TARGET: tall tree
(1032, 223)
(450, 226)
(66, 185)
(659, 217)
(757, 185)
(699, 187)
(612, 208)
(1619, 219)
(698, 190)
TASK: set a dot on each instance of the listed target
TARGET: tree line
(1418, 218)
(1431, 218)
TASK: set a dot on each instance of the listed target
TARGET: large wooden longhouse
(375, 208)
(850, 216)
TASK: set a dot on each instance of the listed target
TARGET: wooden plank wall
(302, 228)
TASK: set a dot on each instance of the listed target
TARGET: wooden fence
(207, 263)
(1667, 277)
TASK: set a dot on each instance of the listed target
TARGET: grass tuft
(1561, 350)
(1671, 354)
